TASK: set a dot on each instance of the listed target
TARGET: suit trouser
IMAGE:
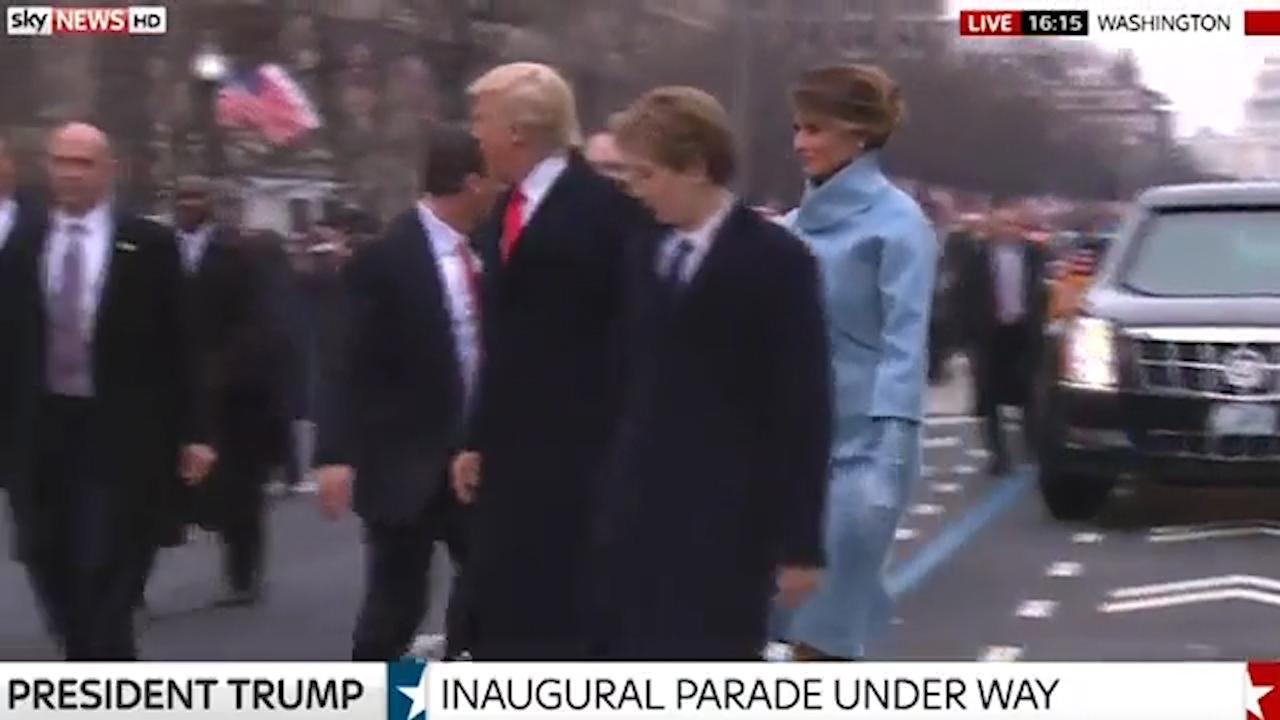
(236, 505)
(1007, 374)
(82, 556)
(397, 568)
(241, 518)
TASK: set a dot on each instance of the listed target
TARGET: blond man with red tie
(391, 424)
(549, 391)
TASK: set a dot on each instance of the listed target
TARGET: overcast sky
(1207, 77)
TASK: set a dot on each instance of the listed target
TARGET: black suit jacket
(979, 289)
(396, 413)
(148, 401)
(720, 466)
(13, 248)
(242, 351)
(549, 401)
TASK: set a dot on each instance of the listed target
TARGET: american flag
(266, 99)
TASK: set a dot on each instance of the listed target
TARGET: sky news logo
(43, 20)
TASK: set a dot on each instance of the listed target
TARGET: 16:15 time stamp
(1055, 22)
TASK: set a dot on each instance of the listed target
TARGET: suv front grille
(1201, 446)
(1195, 369)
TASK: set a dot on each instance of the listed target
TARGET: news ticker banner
(441, 691)
(1121, 19)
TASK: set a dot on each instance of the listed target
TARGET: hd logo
(407, 690)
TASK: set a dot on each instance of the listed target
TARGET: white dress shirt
(8, 218)
(701, 238)
(464, 313)
(1010, 284)
(538, 183)
(99, 229)
(193, 245)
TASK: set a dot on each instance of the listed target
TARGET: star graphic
(418, 694)
(1252, 695)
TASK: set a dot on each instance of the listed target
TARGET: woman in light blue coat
(878, 256)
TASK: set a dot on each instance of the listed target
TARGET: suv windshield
(1207, 252)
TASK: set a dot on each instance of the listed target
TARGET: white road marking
(928, 471)
(949, 420)
(947, 441)
(1201, 527)
(1153, 603)
(905, 534)
(927, 509)
(1192, 535)
(1000, 653)
(947, 488)
(964, 470)
(1086, 538)
(979, 453)
(1064, 570)
(1209, 583)
(1037, 609)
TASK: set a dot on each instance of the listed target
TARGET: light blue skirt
(851, 607)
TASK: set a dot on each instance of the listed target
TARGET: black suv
(1171, 370)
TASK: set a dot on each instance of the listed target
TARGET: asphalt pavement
(979, 571)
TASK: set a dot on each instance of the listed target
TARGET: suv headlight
(1090, 354)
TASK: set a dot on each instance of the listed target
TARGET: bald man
(108, 413)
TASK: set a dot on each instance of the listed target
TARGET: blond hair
(679, 127)
(535, 99)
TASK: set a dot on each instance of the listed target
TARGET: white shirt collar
(445, 239)
(540, 179)
(8, 218)
(702, 238)
(195, 243)
(97, 221)
(703, 235)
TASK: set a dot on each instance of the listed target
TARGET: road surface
(979, 570)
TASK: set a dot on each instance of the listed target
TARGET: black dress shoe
(999, 467)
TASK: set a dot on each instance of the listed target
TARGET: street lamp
(210, 67)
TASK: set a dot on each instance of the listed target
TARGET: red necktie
(512, 223)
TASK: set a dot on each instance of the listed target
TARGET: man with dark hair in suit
(398, 413)
(241, 363)
(1004, 301)
(108, 413)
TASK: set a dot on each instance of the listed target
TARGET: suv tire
(1073, 497)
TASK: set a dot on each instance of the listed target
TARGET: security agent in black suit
(107, 408)
(18, 217)
(714, 500)
(395, 418)
(241, 362)
(1004, 301)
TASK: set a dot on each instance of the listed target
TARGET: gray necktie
(68, 367)
(673, 278)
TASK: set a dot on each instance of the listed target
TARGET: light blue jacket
(878, 255)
